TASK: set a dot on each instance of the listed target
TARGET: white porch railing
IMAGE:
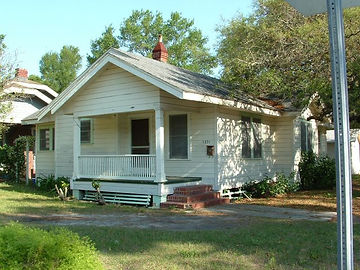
(129, 167)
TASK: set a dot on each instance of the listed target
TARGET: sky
(33, 28)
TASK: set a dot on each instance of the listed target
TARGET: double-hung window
(178, 136)
(46, 138)
(251, 142)
(306, 136)
(86, 130)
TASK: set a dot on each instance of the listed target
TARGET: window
(46, 138)
(306, 136)
(86, 131)
(251, 146)
(178, 136)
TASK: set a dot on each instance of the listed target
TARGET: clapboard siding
(233, 170)
(104, 137)
(45, 160)
(64, 145)
(113, 89)
(201, 129)
(285, 137)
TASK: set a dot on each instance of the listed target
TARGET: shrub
(12, 158)
(32, 248)
(267, 187)
(316, 172)
(48, 183)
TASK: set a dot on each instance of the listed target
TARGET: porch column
(76, 146)
(159, 125)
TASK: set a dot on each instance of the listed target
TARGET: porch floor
(169, 180)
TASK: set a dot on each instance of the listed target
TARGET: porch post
(76, 146)
(159, 124)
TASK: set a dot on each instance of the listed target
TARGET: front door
(140, 143)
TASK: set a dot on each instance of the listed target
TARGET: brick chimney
(21, 73)
(159, 52)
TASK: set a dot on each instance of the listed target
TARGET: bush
(48, 183)
(12, 158)
(316, 172)
(267, 187)
(32, 248)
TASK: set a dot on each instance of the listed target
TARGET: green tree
(7, 68)
(277, 53)
(185, 43)
(58, 70)
(99, 46)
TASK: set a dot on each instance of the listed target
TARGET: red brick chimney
(21, 73)
(159, 52)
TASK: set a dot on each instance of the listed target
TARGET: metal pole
(342, 138)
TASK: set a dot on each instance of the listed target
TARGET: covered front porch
(126, 153)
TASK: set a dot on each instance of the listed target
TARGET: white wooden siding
(104, 139)
(45, 160)
(113, 90)
(233, 170)
(202, 132)
(64, 145)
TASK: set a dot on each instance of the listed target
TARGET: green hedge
(316, 172)
(24, 247)
(268, 187)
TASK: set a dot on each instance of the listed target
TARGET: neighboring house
(354, 148)
(31, 96)
(142, 126)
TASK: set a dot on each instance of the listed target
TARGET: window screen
(246, 137)
(178, 136)
(257, 137)
(45, 139)
(85, 131)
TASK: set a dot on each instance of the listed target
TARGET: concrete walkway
(214, 218)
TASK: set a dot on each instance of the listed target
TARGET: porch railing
(131, 167)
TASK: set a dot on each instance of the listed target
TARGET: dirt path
(220, 217)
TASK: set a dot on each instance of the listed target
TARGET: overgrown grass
(319, 200)
(266, 245)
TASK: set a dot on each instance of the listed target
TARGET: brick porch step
(194, 189)
(197, 196)
(195, 205)
(193, 198)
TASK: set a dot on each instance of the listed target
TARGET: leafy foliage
(316, 172)
(6, 73)
(32, 248)
(184, 42)
(58, 70)
(48, 183)
(278, 53)
(12, 158)
(267, 187)
(99, 46)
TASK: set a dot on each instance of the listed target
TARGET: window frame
(252, 141)
(91, 131)
(309, 145)
(188, 136)
(51, 138)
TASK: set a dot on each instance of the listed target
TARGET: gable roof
(179, 82)
(29, 87)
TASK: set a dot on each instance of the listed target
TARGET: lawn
(260, 244)
(319, 200)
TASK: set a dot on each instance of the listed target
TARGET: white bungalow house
(143, 126)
